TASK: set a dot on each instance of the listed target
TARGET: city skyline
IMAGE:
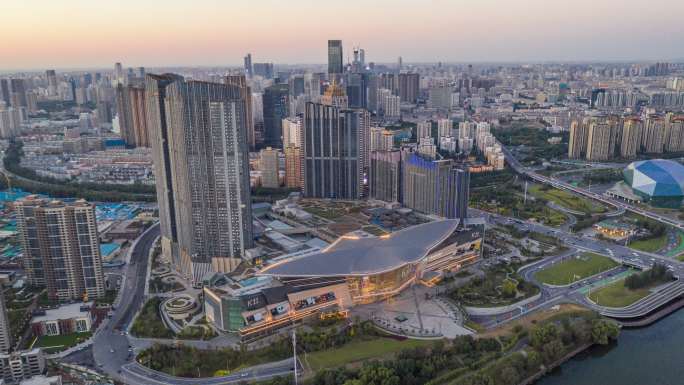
(206, 34)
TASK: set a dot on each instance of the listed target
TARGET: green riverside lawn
(618, 295)
(361, 350)
(575, 269)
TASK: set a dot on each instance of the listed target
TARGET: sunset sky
(38, 34)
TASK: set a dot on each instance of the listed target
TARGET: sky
(39, 34)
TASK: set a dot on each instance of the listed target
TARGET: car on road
(245, 374)
(111, 350)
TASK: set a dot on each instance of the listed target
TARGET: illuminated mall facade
(356, 269)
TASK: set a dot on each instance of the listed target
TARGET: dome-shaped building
(659, 181)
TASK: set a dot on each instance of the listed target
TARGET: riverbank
(650, 355)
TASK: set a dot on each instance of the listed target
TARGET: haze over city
(92, 34)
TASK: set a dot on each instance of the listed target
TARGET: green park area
(54, 344)
(632, 288)
(566, 199)
(361, 350)
(617, 294)
(574, 269)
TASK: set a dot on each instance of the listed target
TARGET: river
(646, 356)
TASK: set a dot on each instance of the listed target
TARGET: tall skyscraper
(61, 247)
(276, 108)
(264, 70)
(18, 94)
(409, 87)
(269, 166)
(5, 93)
(335, 58)
(119, 76)
(51, 77)
(248, 65)
(138, 116)
(333, 151)
(202, 172)
(5, 335)
(357, 90)
(246, 93)
(123, 112)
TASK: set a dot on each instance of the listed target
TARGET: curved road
(110, 345)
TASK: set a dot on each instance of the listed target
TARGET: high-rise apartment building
(202, 172)
(333, 144)
(598, 140)
(674, 132)
(381, 139)
(269, 166)
(294, 172)
(276, 108)
(409, 87)
(631, 137)
(335, 58)
(445, 128)
(653, 134)
(423, 130)
(577, 146)
(61, 247)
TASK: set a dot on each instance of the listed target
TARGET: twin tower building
(199, 134)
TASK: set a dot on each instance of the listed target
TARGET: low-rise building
(66, 319)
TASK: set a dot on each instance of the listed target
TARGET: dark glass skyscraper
(335, 65)
(334, 147)
(276, 107)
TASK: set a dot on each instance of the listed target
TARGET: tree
(552, 351)
(508, 289)
(543, 334)
(509, 375)
(603, 331)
